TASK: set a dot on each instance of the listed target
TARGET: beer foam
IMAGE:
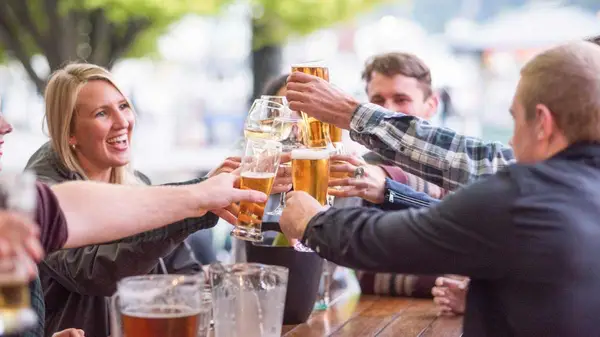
(258, 175)
(161, 311)
(310, 64)
(308, 154)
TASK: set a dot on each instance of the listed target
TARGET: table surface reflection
(354, 314)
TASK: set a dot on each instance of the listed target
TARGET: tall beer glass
(310, 172)
(17, 194)
(160, 305)
(259, 168)
(318, 132)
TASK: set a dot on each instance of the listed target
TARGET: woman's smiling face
(102, 127)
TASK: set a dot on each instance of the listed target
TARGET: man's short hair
(566, 79)
(392, 64)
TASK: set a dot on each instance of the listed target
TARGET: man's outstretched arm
(439, 155)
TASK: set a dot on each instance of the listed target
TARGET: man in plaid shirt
(439, 155)
(436, 154)
(398, 82)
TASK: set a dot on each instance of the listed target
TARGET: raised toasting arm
(102, 212)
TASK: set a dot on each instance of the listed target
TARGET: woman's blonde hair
(60, 97)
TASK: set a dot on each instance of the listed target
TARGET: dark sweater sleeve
(450, 238)
(51, 219)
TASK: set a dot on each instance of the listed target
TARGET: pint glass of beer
(258, 170)
(310, 172)
(160, 305)
(318, 132)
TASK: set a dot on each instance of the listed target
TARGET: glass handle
(115, 317)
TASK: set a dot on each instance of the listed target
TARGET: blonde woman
(90, 123)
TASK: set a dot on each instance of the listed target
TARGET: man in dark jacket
(528, 236)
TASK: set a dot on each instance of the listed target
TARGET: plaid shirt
(438, 155)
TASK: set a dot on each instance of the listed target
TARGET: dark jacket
(399, 196)
(77, 282)
(528, 237)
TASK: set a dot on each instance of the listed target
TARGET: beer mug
(18, 194)
(248, 299)
(258, 171)
(318, 132)
(160, 305)
(310, 172)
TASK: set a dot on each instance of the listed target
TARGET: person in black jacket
(528, 236)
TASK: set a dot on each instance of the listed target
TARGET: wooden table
(362, 315)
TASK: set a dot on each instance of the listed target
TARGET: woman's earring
(73, 147)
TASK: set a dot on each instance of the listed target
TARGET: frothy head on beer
(315, 68)
(310, 154)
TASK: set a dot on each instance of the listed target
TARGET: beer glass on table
(258, 171)
(318, 132)
(248, 299)
(18, 194)
(160, 305)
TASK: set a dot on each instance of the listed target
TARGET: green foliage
(283, 18)
(117, 28)
(160, 13)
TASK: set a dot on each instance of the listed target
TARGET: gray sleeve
(451, 238)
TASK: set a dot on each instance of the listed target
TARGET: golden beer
(14, 296)
(161, 321)
(251, 213)
(318, 132)
(310, 172)
(335, 133)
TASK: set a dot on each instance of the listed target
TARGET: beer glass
(260, 117)
(258, 171)
(292, 133)
(277, 99)
(318, 132)
(310, 172)
(248, 299)
(158, 306)
(18, 194)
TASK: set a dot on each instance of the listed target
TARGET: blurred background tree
(103, 31)
(274, 21)
(99, 31)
